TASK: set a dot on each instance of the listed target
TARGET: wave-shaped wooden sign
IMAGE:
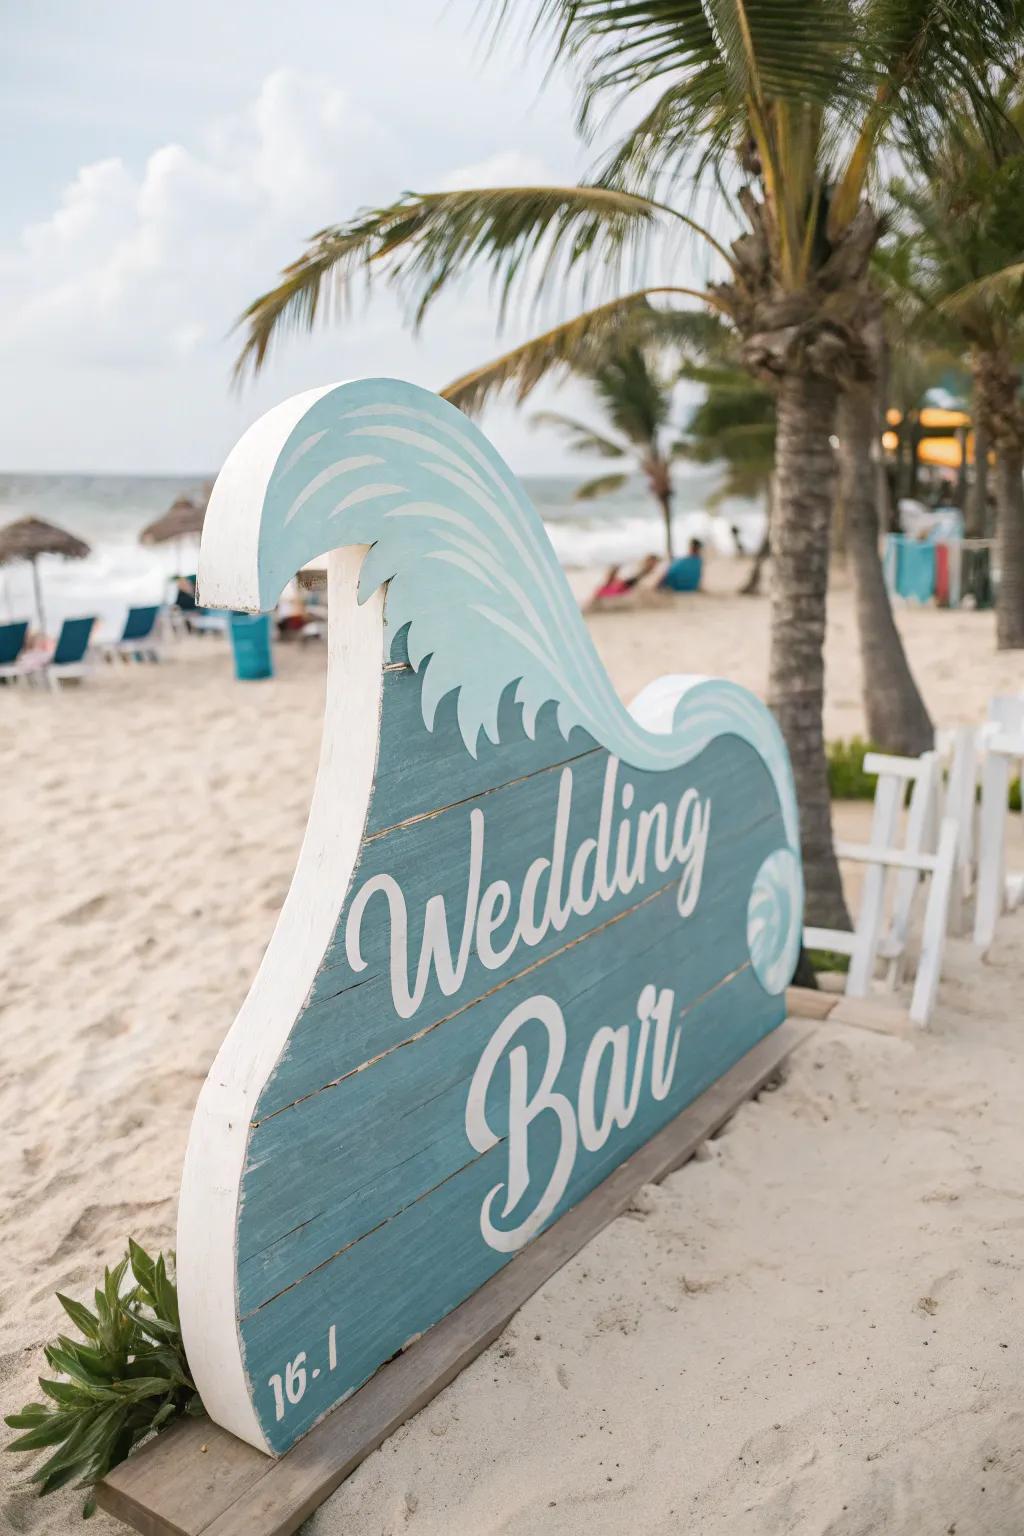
(527, 925)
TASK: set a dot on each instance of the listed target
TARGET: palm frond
(705, 333)
(741, 482)
(578, 345)
(718, 376)
(750, 442)
(532, 236)
(690, 128)
(924, 55)
(733, 426)
(953, 265)
(757, 101)
(582, 439)
(1003, 284)
(635, 392)
(603, 485)
(738, 51)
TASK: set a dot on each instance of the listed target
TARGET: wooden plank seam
(198, 1480)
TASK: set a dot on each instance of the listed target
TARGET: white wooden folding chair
(959, 754)
(1006, 710)
(922, 854)
(923, 777)
(997, 890)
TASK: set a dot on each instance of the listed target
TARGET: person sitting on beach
(185, 593)
(292, 615)
(613, 585)
(617, 585)
(684, 574)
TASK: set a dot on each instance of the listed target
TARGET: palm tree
(920, 350)
(636, 397)
(786, 102)
(634, 377)
(963, 226)
(895, 713)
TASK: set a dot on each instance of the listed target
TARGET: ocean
(109, 512)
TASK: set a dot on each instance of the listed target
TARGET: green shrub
(128, 1379)
(846, 777)
(828, 960)
(848, 781)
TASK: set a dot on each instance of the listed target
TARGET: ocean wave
(475, 586)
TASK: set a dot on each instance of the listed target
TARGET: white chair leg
(933, 934)
(960, 804)
(921, 838)
(995, 788)
(872, 901)
(1006, 711)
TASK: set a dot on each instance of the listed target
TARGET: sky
(163, 162)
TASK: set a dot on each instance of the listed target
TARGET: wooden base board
(198, 1480)
(882, 1017)
(873, 1013)
(807, 1003)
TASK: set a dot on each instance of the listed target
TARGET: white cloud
(119, 304)
(143, 266)
(510, 168)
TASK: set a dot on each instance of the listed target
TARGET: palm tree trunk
(976, 521)
(1010, 500)
(804, 485)
(894, 711)
(960, 493)
(752, 586)
(665, 502)
(997, 380)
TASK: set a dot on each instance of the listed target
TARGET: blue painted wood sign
(527, 925)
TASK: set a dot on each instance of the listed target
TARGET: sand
(816, 1328)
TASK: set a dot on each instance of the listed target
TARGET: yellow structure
(947, 433)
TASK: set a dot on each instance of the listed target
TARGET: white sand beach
(815, 1328)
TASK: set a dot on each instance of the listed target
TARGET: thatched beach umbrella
(183, 517)
(31, 537)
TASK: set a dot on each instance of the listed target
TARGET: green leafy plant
(848, 781)
(828, 960)
(128, 1379)
(846, 777)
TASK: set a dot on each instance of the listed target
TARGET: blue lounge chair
(137, 641)
(68, 659)
(196, 620)
(12, 643)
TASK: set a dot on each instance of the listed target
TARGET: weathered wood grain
(806, 1003)
(198, 1480)
(527, 926)
(881, 1016)
(358, 1152)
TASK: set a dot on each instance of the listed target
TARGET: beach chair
(68, 660)
(959, 752)
(899, 778)
(1003, 746)
(196, 620)
(928, 850)
(138, 640)
(12, 643)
